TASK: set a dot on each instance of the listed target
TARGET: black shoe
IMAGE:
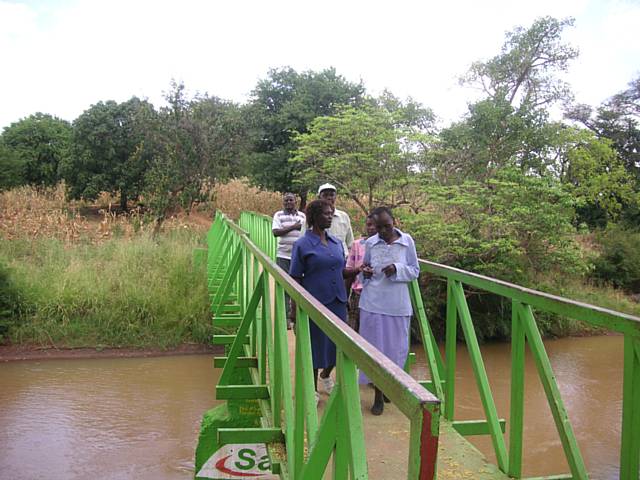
(386, 400)
(377, 409)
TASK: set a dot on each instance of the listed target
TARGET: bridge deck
(387, 443)
(387, 440)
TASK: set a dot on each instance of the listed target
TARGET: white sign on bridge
(238, 462)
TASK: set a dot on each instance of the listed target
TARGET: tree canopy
(34, 148)
(284, 104)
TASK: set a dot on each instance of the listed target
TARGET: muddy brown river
(139, 418)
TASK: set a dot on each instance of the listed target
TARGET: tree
(284, 104)
(199, 141)
(109, 151)
(38, 144)
(515, 227)
(593, 173)
(511, 125)
(357, 149)
(11, 168)
(618, 120)
(523, 73)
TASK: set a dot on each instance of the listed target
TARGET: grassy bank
(135, 292)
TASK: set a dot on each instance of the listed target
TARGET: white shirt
(341, 229)
(389, 295)
(282, 219)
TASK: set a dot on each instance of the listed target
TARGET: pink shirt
(354, 260)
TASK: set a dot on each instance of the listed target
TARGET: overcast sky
(61, 56)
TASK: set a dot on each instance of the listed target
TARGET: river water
(589, 375)
(139, 418)
(117, 419)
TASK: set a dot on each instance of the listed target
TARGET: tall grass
(142, 292)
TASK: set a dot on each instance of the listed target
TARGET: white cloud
(63, 57)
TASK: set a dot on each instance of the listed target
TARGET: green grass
(140, 292)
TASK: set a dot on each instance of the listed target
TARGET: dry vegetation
(237, 195)
(27, 212)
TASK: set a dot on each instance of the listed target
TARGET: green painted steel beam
(227, 321)
(603, 317)
(630, 444)
(468, 428)
(564, 476)
(480, 374)
(428, 384)
(551, 390)
(252, 362)
(516, 415)
(228, 436)
(227, 339)
(242, 392)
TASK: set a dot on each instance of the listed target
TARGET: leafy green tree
(510, 126)
(523, 74)
(39, 143)
(595, 176)
(284, 104)
(619, 261)
(513, 227)
(109, 151)
(198, 142)
(11, 168)
(493, 135)
(618, 120)
(357, 149)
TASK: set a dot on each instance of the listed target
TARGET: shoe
(377, 408)
(327, 384)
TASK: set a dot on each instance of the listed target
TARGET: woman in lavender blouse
(390, 263)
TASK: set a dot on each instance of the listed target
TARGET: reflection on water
(103, 418)
(139, 418)
(589, 375)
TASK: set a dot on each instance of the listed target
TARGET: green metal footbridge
(271, 427)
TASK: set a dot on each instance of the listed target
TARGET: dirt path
(10, 353)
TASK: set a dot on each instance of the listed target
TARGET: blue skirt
(323, 350)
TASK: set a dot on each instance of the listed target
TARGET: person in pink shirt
(354, 262)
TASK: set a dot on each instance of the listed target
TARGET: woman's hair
(380, 210)
(314, 210)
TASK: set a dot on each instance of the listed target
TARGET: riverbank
(11, 353)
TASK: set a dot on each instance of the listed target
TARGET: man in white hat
(341, 223)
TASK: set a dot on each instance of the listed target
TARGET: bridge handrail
(380, 370)
(524, 329)
(593, 314)
(239, 258)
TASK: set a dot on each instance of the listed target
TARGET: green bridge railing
(243, 257)
(244, 281)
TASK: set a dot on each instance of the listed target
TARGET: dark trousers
(285, 264)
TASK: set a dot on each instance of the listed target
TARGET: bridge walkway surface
(387, 440)
(271, 427)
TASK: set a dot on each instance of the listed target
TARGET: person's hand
(367, 271)
(389, 269)
(296, 226)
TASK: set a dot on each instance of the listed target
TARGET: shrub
(10, 302)
(513, 227)
(619, 262)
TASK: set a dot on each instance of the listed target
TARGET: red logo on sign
(220, 465)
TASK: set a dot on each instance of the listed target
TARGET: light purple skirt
(388, 333)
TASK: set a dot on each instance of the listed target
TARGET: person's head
(384, 222)
(289, 202)
(319, 214)
(370, 226)
(328, 192)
